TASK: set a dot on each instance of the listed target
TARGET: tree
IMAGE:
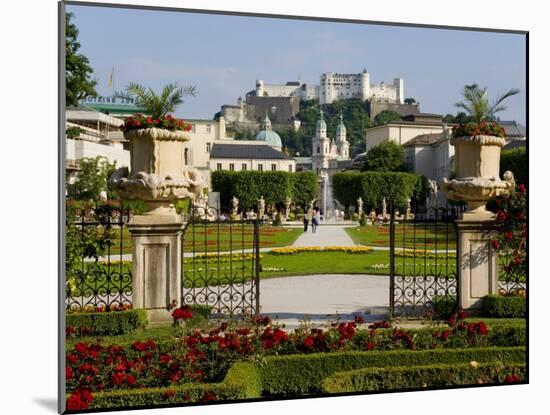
(78, 82)
(410, 101)
(157, 106)
(386, 116)
(460, 118)
(476, 102)
(92, 180)
(386, 157)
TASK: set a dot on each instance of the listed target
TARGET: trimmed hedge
(499, 306)
(110, 323)
(515, 160)
(241, 382)
(427, 376)
(302, 374)
(372, 187)
(275, 186)
(443, 305)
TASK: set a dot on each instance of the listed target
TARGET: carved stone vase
(477, 161)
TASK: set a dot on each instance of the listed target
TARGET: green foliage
(410, 101)
(460, 118)
(476, 102)
(78, 82)
(295, 141)
(386, 156)
(386, 116)
(110, 323)
(304, 187)
(241, 382)
(248, 186)
(73, 132)
(372, 187)
(92, 179)
(157, 105)
(444, 306)
(302, 374)
(499, 306)
(515, 160)
(428, 376)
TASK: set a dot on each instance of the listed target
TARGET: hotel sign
(108, 100)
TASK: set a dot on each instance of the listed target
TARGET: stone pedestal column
(477, 264)
(157, 262)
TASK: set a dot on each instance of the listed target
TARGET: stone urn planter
(477, 161)
(159, 176)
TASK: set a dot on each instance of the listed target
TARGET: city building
(404, 130)
(93, 134)
(203, 135)
(264, 153)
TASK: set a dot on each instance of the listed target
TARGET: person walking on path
(316, 220)
(308, 218)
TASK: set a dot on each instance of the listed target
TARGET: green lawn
(201, 238)
(417, 236)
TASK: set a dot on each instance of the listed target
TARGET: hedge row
(515, 160)
(111, 323)
(372, 187)
(428, 376)
(499, 306)
(302, 374)
(274, 186)
(241, 382)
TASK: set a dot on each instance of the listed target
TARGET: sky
(224, 55)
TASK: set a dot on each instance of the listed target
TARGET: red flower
(139, 346)
(462, 315)
(182, 313)
(148, 120)
(308, 342)
(495, 244)
(69, 374)
(131, 380)
(169, 393)
(359, 319)
(156, 121)
(164, 358)
(118, 378)
(512, 379)
(520, 216)
(522, 188)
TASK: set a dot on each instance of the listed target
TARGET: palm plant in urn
(477, 154)
(158, 174)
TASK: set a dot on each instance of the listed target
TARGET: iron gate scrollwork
(98, 269)
(423, 258)
(221, 262)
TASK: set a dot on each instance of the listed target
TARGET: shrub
(355, 217)
(241, 382)
(275, 187)
(277, 221)
(444, 306)
(363, 219)
(427, 376)
(498, 306)
(301, 374)
(372, 187)
(110, 323)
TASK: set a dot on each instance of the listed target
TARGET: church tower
(321, 146)
(342, 145)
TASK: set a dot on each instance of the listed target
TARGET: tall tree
(385, 157)
(78, 72)
(386, 116)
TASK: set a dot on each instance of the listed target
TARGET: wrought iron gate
(221, 263)
(423, 258)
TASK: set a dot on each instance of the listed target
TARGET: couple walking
(312, 216)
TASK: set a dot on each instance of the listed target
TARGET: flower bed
(291, 250)
(204, 357)
(420, 253)
(425, 376)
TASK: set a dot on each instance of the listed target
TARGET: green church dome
(321, 124)
(268, 135)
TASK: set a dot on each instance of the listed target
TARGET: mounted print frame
(270, 207)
